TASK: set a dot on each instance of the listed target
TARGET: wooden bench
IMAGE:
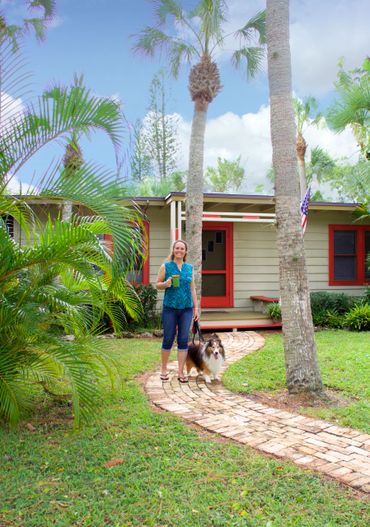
(260, 301)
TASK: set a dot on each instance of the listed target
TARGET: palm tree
(302, 111)
(46, 285)
(38, 24)
(353, 106)
(302, 370)
(205, 25)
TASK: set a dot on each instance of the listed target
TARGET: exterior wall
(42, 212)
(256, 264)
(159, 242)
(317, 250)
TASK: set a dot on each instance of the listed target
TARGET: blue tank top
(179, 297)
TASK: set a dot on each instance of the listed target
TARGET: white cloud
(14, 186)
(11, 107)
(321, 33)
(230, 135)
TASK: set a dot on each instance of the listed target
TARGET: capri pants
(173, 318)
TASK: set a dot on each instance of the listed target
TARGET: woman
(179, 306)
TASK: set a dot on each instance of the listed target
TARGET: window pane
(345, 268)
(367, 255)
(213, 285)
(345, 242)
(213, 251)
(135, 276)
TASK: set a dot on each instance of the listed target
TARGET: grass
(163, 473)
(344, 359)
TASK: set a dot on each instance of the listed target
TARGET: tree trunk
(194, 193)
(67, 211)
(302, 371)
(301, 147)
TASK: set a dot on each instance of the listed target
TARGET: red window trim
(360, 254)
(108, 239)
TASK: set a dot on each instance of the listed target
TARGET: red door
(217, 265)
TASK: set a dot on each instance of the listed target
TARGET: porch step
(235, 319)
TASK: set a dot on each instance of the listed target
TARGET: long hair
(171, 256)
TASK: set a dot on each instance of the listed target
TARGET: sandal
(164, 377)
(183, 379)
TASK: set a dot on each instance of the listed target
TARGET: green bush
(339, 303)
(148, 298)
(273, 310)
(358, 318)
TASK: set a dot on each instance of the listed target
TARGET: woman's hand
(195, 314)
(168, 283)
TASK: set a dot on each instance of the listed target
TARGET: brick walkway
(341, 453)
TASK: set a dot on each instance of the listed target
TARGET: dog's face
(214, 348)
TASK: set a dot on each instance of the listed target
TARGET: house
(240, 261)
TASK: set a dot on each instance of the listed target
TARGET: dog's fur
(207, 357)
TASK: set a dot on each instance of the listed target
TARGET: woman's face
(179, 250)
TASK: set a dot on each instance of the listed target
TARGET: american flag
(304, 209)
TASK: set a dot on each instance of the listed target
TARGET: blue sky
(94, 38)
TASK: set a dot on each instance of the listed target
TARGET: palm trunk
(302, 371)
(301, 147)
(194, 192)
(67, 211)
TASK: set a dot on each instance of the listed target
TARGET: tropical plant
(228, 175)
(15, 32)
(47, 292)
(64, 279)
(358, 318)
(303, 110)
(273, 310)
(353, 105)
(302, 371)
(205, 28)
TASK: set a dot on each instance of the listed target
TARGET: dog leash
(196, 330)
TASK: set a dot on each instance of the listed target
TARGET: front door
(217, 265)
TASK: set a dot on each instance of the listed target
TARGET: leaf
(114, 462)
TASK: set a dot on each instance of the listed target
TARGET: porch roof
(239, 202)
(214, 201)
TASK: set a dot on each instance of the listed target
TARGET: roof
(212, 199)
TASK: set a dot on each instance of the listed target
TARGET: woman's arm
(195, 301)
(161, 282)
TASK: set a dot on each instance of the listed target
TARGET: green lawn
(167, 473)
(344, 361)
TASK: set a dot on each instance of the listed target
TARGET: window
(349, 248)
(9, 224)
(140, 274)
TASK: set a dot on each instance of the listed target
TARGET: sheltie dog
(207, 357)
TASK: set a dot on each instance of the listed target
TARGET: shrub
(358, 318)
(148, 298)
(273, 310)
(323, 301)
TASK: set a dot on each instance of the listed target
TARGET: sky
(95, 38)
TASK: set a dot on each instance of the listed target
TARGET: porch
(234, 319)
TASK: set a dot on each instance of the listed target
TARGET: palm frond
(256, 24)
(167, 8)
(212, 14)
(180, 52)
(252, 58)
(59, 112)
(150, 40)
